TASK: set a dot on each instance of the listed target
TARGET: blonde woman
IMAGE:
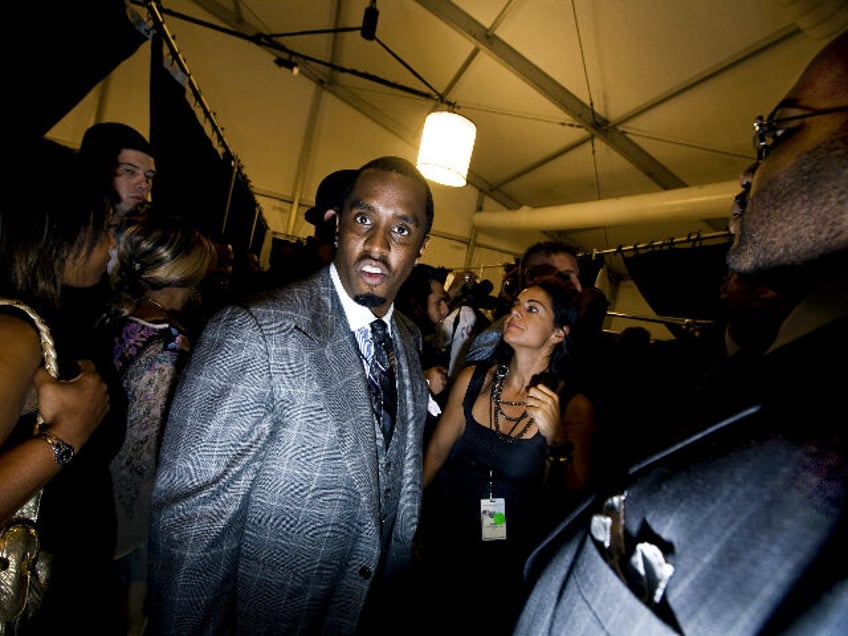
(161, 262)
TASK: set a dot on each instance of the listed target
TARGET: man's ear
(338, 221)
(421, 249)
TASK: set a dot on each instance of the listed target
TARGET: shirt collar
(357, 315)
(827, 303)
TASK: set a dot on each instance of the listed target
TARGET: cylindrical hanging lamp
(446, 146)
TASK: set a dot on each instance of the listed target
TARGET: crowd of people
(353, 438)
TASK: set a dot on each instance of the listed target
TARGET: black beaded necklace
(496, 409)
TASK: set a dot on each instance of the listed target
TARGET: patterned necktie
(382, 375)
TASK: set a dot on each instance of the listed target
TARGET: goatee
(369, 300)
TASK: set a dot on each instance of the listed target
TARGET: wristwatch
(62, 452)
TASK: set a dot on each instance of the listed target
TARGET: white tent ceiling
(586, 109)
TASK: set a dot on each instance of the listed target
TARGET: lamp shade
(446, 145)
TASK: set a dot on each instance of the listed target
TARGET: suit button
(365, 572)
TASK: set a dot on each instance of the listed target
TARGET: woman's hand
(543, 407)
(73, 408)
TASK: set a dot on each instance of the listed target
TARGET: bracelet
(559, 453)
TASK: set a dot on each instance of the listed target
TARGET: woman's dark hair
(51, 213)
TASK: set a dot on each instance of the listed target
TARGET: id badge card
(493, 518)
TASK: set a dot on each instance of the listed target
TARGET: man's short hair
(546, 248)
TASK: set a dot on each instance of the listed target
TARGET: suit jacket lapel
(406, 401)
(351, 411)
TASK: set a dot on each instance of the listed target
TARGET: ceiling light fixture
(289, 64)
(446, 146)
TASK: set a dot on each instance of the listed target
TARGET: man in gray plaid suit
(279, 505)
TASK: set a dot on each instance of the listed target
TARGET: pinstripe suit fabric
(266, 507)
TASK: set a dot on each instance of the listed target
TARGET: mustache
(375, 259)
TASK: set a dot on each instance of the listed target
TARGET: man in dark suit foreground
(741, 529)
(280, 504)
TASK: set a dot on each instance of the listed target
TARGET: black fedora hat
(331, 194)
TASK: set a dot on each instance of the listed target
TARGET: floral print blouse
(149, 357)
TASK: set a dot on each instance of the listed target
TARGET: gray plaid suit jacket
(265, 509)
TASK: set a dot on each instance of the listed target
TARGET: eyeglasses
(769, 132)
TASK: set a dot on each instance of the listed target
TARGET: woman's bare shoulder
(20, 337)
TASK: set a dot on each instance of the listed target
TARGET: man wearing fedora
(294, 260)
